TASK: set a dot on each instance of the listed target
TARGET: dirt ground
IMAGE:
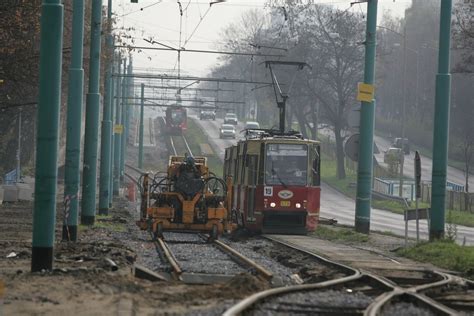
(84, 282)
(94, 275)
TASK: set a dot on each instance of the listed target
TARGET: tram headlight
(272, 204)
(298, 205)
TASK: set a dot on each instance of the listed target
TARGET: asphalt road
(338, 206)
(454, 175)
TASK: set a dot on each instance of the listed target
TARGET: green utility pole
(140, 134)
(112, 137)
(74, 121)
(364, 170)
(106, 135)
(118, 129)
(92, 120)
(123, 139)
(44, 216)
(441, 124)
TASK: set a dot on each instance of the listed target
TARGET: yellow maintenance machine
(188, 198)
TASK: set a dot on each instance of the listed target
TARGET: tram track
(413, 292)
(195, 258)
(178, 143)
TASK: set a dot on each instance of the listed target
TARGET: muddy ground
(94, 275)
(84, 282)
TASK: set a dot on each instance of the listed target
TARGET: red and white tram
(275, 183)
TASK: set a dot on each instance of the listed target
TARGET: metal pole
(140, 137)
(18, 150)
(117, 131)
(106, 135)
(74, 122)
(441, 125)
(404, 79)
(281, 108)
(92, 120)
(124, 118)
(364, 170)
(112, 137)
(44, 214)
(127, 109)
(417, 76)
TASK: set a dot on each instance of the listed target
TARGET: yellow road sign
(118, 129)
(365, 92)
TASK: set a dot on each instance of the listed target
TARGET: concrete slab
(10, 193)
(202, 278)
(25, 192)
(141, 272)
(352, 256)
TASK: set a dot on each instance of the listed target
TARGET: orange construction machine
(188, 198)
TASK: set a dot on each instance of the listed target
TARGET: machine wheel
(214, 232)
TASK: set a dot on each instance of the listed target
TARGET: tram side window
(252, 169)
(242, 165)
(237, 169)
(316, 168)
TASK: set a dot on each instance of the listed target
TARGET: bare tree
(332, 40)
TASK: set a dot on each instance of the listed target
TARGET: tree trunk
(340, 171)
(314, 130)
(302, 123)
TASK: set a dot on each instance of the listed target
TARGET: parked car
(227, 130)
(230, 118)
(402, 143)
(207, 114)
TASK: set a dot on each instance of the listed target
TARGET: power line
(169, 48)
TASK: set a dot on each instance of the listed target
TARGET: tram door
(252, 164)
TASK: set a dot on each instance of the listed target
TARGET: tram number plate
(284, 203)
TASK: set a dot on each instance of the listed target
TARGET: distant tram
(275, 181)
(176, 120)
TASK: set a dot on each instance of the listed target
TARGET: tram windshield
(286, 164)
(177, 117)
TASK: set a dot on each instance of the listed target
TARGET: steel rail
(261, 270)
(169, 256)
(319, 257)
(238, 308)
(446, 278)
(187, 146)
(251, 300)
(175, 153)
(375, 308)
